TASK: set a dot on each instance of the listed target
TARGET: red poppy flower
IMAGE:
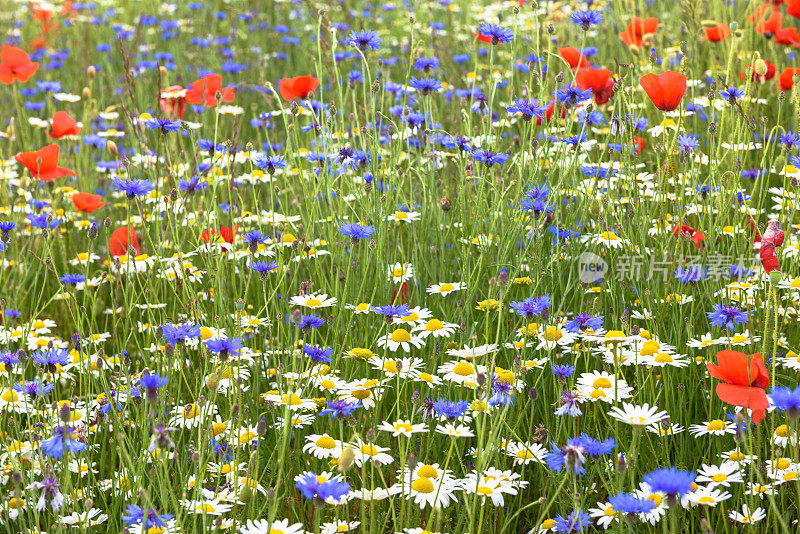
(637, 29)
(599, 81)
(43, 163)
(785, 81)
(63, 125)
(87, 202)
(482, 38)
(574, 57)
(174, 106)
(400, 295)
(120, 239)
(772, 238)
(752, 231)
(297, 87)
(224, 232)
(204, 91)
(769, 25)
(793, 8)
(639, 145)
(717, 33)
(788, 37)
(664, 90)
(16, 64)
(695, 236)
(744, 379)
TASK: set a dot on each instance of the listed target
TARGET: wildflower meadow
(436, 266)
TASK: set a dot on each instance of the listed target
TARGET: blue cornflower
(574, 522)
(532, 306)
(670, 481)
(176, 334)
(727, 316)
(339, 409)
(535, 200)
(790, 140)
(8, 359)
(34, 388)
(426, 64)
(61, 440)
(496, 34)
(562, 371)
(450, 410)
(571, 95)
(193, 184)
(692, 275)
(7, 226)
(731, 94)
(224, 346)
(263, 268)
(688, 142)
(787, 400)
(586, 18)
(528, 108)
(50, 493)
(489, 158)
(390, 311)
(51, 357)
(72, 279)
(318, 354)
(356, 231)
(151, 517)
(152, 382)
(628, 503)
(165, 125)
(503, 393)
(269, 163)
(253, 238)
(584, 321)
(364, 39)
(569, 404)
(312, 488)
(570, 456)
(133, 188)
(425, 86)
(593, 446)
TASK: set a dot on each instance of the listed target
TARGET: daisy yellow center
(326, 442)
(736, 456)
(649, 348)
(446, 287)
(361, 394)
(716, 424)
(404, 427)
(362, 307)
(291, 399)
(313, 303)
(390, 366)
(719, 477)
(547, 524)
(783, 463)
(428, 471)
(791, 475)
(361, 353)
(369, 450)
(524, 454)
(602, 382)
(398, 272)
(597, 393)
(10, 396)
(401, 215)
(485, 490)
(433, 325)
(608, 236)
(190, 411)
(401, 335)
(463, 369)
(426, 377)
(706, 499)
(795, 283)
(206, 508)
(656, 498)
(782, 431)
(422, 485)
(218, 428)
(739, 338)
(413, 316)
(553, 333)
(610, 512)
(663, 358)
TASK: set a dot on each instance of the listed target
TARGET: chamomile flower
(402, 427)
(400, 338)
(637, 415)
(445, 289)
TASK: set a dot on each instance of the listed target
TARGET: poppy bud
(112, 147)
(774, 277)
(212, 382)
(86, 93)
(91, 72)
(245, 494)
(760, 67)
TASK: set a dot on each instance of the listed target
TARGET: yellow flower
(488, 305)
